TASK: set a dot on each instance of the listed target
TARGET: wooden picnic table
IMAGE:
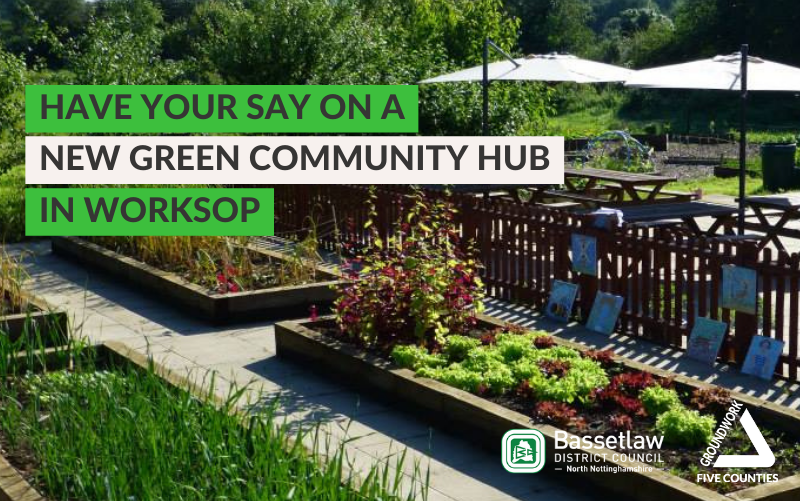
(481, 189)
(788, 207)
(683, 212)
(622, 184)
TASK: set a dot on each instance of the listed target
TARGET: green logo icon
(523, 451)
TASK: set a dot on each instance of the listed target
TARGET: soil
(593, 419)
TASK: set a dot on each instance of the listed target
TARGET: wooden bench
(669, 195)
(577, 197)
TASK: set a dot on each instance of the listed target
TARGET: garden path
(370, 431)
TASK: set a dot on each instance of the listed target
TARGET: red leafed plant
(603, 357)
(418, 286)
(524, 389)
(633, 381)
(559, 414)
(554, 367)
(488, 339)
(714, 399)
(623, 392)
(227, 281)
(543, 342)
(621, 422)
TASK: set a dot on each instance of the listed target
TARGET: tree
(123, 46)
(12, 105)
(37, 27)
(553, 25)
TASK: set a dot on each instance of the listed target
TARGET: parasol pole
(743, 138)
(489, 44)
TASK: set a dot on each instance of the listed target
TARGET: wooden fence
(668, 278)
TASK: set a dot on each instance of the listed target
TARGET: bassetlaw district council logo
(523, 451)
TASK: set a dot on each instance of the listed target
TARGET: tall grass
(125, 434)
(12, 278)
(197, 258)
(12, 204)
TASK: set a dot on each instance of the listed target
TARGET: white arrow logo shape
(764, 459)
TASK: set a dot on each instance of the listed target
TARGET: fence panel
(667, 279)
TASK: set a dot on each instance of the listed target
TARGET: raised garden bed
(36, 319)
(179, 439)
(273, 303)
(486, 420)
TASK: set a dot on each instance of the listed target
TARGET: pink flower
(313, 313)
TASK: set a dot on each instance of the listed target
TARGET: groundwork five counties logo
(523, 451)
(764, 458)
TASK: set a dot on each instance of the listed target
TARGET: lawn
(719, 186)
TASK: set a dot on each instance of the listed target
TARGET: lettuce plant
(414, 357)
(683, 427)
(658, 400)
(456, 348)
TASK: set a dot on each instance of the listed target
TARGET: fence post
(745, 324)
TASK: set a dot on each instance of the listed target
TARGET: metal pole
(485, 84)
(743, 139)
(489, 44)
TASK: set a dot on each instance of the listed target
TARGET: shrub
(658, 400)
(684, 427)
(416, 288)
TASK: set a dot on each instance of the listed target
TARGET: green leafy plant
(415, 357)
(658, 400)
(457, 347)
(577, 384)
(684, 427)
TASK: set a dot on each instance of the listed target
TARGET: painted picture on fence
(706, 339)
(739, 289)
(562, 297)
(762, 357)
(584, 254)
(605, 312)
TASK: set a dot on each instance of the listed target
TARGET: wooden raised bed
(270, 304)
(41, 317)
(486, 422)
